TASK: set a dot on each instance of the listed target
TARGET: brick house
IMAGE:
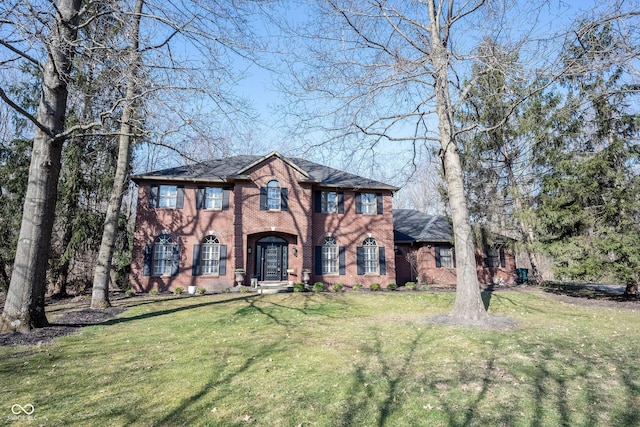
(271, 216)
(275, 217)
(424, 252)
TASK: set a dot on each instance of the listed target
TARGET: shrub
(298, 287)
(357, 287)
(226, 290)
(392, 287)
(318, 287)
(178, 290)
(337, 287)
(425, 288)
(154, 292)
(245, 289)
(129, 292)
(375, 287)
(201, 291)
(410, 285)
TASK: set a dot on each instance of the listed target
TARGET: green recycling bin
(523, 275)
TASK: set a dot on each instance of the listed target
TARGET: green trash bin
(523, 275)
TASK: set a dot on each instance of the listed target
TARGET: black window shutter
(175, 261)
(284, 199)
(225, 199)
(342, 261)
(318, 260)
(195, 267)
(379, 203)
(153, 196)
(263, 198)
(358, 203)
(383, 261)
(360, 259)
(180, 197)
(437, 252)
(200, 192)
(340, 202)
(453, 256)
(222, 268)
(503, 261)
(147, 259)
(317, 201)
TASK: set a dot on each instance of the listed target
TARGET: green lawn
(352, 359)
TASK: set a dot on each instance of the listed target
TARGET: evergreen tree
(589, 208)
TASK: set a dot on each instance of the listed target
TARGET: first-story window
(162, 255)
(210, 255)
(330, 256)
(444, 257)
(370, 256)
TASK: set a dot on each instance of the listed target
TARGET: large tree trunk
(100, 293)
(25, 305)
(468, 304)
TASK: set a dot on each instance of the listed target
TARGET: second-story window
(273, 196)
(213, 198)
(368, 203)
(166, 196)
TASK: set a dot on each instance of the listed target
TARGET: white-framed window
(368, 203)
(329, 201)
(167, 196)
(162, 255)
(213, 198)
(330, 261)
(444, 257)
(273, 196)
(370, 256)
(210, 256)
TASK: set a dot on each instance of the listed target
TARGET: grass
(327, 359)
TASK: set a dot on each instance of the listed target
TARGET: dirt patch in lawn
(587, 294)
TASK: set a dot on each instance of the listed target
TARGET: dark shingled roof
(232, 168)
(414, 226)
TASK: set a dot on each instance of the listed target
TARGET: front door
(271, 259)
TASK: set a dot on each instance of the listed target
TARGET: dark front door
(271, 259)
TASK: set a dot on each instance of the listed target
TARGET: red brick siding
(441, 276)
(240, 227)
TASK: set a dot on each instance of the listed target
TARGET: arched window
(273, 195)
(210, 255)
(370, 255)
(162, 255)
(330, 256)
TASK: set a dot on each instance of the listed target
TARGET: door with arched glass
(272, 259)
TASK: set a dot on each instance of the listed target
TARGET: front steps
(274, 287)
